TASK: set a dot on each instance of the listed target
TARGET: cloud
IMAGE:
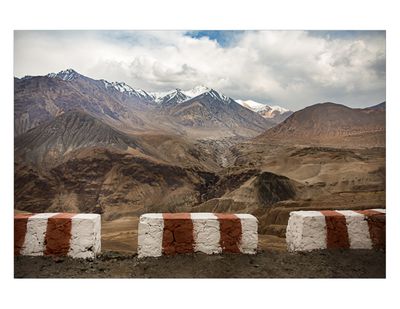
(289, 68)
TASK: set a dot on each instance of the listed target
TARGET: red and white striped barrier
(328, 229)
(172, 233)
(57, 234)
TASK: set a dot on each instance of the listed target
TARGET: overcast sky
(292, 69)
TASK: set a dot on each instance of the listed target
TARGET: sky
(293, 69)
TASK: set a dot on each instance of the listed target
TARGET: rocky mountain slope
(61, 139)
(213, 110)
(331, 123)
(66, 133)
(41, 98)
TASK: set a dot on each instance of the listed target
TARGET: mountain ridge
(69, 131)
(328, 122)
(42, 98)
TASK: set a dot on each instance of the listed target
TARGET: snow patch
(127, 90)
(67, 75)
(196, 91)
(264, 110)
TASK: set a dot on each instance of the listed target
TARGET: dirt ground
(265, 264)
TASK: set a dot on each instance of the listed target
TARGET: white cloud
(289, 68)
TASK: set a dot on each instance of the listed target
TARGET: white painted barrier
(57, 234)
(168, 233)
(345, 229)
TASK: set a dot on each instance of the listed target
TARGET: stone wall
(57, 234)
(174, 233)
(340, 229)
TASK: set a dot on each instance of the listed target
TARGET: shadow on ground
(265, 264)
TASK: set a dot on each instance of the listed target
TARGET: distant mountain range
(201, 110)
(65, 111)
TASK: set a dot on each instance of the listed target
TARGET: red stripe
(177, 234)
(377, 227)
(336, 230)
(230, 228)
(58, 234)
(20, 225)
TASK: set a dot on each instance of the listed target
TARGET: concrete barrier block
(341, 229)
(150, 232)
(85, 236)
(174, 233)
(206, 233)
(249, 240)
(57, 234)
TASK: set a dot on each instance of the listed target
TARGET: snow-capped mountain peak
(252, 105)
(161, 97)
(218, 96)
(257, 107)
(279, 109)
(68, 74)
(179, 95)
(175, 97)
(275, 112)
(127, 90)
(122, 87)
(157, 96)
(196, 91)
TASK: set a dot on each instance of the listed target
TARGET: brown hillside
(331, 123)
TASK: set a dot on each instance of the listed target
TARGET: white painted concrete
(306, 231)
(150, 235)
(249, 242)
(85, 239)
(85, 236)
(206, 233)
(357, 228)
(35, 234)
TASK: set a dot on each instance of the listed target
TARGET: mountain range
(97, 146)
(39, 99)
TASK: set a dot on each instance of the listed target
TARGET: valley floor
(265, 264)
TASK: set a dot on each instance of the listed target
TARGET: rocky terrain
(266, 264)
(84, 145)
(69, 132)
